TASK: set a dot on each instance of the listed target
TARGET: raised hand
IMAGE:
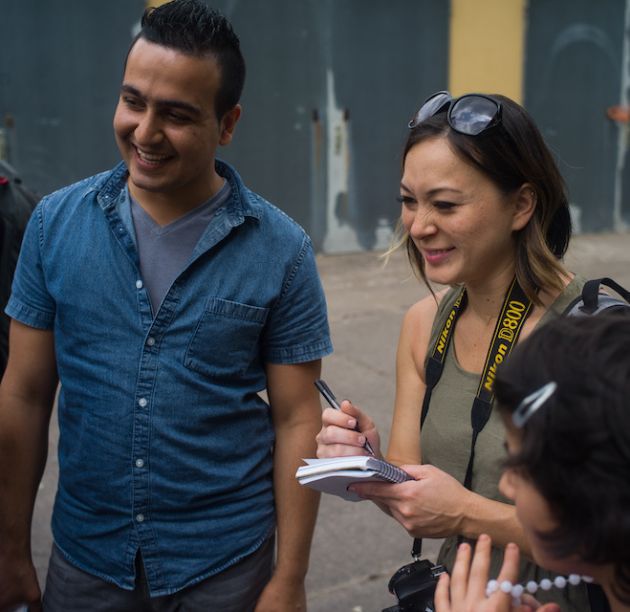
(465, 589)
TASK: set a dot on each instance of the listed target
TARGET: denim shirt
(165, 444)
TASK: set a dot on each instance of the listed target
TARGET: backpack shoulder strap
(592, 302)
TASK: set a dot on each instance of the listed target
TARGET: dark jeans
(69, 589)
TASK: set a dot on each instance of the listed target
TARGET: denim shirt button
(139, 518)
(139, 463)
(138, 284)
(142, 402)
(150, 341)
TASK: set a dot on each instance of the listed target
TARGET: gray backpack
(593, 301)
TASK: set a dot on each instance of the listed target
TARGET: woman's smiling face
(458, 219)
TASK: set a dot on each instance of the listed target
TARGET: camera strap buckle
(416, 550)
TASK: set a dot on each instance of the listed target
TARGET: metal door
(60, 68)
(331, 85)
(572, 77)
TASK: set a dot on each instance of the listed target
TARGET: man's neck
(166, 207)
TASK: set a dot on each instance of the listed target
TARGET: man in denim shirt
(164, 296)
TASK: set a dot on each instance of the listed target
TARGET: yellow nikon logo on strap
(512, 320)
(446, 330)
(492, 370)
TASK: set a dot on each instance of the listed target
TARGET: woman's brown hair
(510, 154)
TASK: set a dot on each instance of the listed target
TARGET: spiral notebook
(335, 475)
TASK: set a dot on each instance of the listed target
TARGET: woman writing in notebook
(484, 210)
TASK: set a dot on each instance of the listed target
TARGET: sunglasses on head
(471, 114)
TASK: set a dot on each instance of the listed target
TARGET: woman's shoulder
(418, 328)
(420, 317)
(425, 309)
(433, 305)
(555, 304)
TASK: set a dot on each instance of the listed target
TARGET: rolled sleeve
(30, 303)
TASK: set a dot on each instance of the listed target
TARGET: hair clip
(531, 403)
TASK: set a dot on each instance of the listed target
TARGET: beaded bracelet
(532, 586)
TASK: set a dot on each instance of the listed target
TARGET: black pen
(329, 396)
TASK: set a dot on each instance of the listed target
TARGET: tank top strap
(444, 308)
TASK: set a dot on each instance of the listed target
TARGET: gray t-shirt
(164, 250)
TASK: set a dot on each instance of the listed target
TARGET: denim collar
(242, 202)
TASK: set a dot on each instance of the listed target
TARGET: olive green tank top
(446, 438)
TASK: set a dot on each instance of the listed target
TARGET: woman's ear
(524, 206)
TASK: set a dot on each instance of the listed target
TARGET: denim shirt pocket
(226, 338)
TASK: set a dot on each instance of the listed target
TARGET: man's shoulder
(276, 217)
(81, 188)
(273, 220)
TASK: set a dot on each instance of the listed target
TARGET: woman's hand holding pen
(344, 432)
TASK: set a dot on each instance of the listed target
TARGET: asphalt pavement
(356, 547)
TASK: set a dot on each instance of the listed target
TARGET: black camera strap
(514, 312)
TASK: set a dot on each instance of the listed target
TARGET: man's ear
(524, 206)
(228, 124)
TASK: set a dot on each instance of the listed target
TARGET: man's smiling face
(165, 122)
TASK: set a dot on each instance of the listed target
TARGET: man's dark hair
(191, 27)
(576, 447)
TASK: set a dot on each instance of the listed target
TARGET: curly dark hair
(193, 28)
(576, 447)
(510, 154)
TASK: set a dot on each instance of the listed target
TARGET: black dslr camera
(414, 585)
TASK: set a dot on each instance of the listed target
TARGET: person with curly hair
(564, 398)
